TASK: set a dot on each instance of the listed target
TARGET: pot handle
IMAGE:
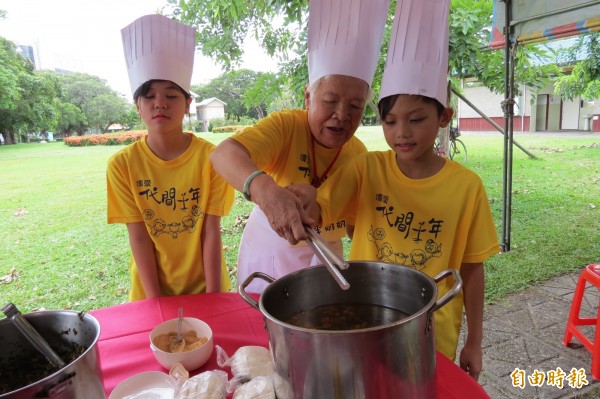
(450, 294)
(242, 288)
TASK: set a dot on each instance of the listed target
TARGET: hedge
(105, 139)
(228, 129)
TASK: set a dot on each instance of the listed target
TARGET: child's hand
(471, 359)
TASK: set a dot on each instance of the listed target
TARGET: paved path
(525, 332)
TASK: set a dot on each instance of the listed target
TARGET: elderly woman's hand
(285, 211)
(307, 195)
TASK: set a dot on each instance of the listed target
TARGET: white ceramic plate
(147, 385)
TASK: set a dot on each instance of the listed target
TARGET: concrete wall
(547, 113)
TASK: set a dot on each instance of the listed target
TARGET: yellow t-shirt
(171, 198)
(280, 144)
(430, 224)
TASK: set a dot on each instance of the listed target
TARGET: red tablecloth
(125, 329)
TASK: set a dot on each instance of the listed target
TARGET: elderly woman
(304, 146)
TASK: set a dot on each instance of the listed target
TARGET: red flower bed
(105, 139)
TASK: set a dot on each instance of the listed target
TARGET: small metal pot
(73, 335)
(395, 359)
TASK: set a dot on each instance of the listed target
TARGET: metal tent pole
(508, 108)
(491, 121)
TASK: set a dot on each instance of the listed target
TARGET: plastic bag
(247, 363)
(260, 387)
(207, 385)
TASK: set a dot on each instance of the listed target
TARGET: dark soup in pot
(345, 316)
(24, 368)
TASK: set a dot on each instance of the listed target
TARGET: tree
(104, 110)
(584, 79)
(41, 101)
(268, 94)
(71, 118)
(101, 105)
(230, 88)
(131, 118)
(224, 24)
(13, 68)
(27, 99)
(469, 56)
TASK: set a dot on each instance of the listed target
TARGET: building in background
(193, 115)
(209, 109)
(28, 52)
(534, 112)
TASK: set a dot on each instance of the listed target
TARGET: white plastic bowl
(149, 384)
(191, 360)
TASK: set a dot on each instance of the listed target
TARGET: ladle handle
(328, 257)
(11, 311)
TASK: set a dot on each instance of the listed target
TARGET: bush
(192, 125)
(232, 124)
(104, 139)
(228, 129)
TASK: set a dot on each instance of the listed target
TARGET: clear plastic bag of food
(260, 387)
(247, 363)
(207, 385)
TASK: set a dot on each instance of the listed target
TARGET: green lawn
(58, 252)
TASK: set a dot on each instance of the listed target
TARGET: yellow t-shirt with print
(280, 144)
(430, 224)
(171, 198)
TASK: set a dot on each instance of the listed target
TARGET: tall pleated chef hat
(344, 37)
(417, 60)
(159, 48)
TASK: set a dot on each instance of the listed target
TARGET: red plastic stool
(591, 275)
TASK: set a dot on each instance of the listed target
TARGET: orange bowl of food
(192, 353)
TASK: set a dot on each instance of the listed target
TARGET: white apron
(262, 250)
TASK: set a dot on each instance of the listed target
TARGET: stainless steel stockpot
(80, 378)
(392, 360)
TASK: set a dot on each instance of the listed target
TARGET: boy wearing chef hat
(163, 187)
(410, 206)
(305, 146)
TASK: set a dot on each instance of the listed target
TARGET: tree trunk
(10, 138)
(260, 112)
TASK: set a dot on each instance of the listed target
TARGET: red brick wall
(480, 124)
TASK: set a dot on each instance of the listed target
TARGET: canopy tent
(527, 21)
(534, 21)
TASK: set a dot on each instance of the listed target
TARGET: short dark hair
(386, 104)
(145, 88)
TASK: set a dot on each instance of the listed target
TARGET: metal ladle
(29, 332)
(331, 261)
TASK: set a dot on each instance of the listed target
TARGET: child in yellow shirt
(164, 187)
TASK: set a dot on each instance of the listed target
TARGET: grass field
(58, 252)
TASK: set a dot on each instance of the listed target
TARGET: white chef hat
(344, 37)
(157, 47)
(417, 60)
